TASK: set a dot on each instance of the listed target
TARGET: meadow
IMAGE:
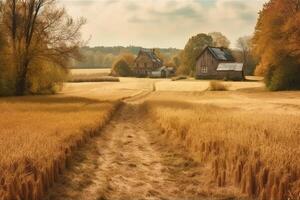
(38, 136)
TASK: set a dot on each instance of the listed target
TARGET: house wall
(144, 65)
(230, 75)
(207, 59)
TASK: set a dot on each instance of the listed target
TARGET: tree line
(37, 40)
(104, 57)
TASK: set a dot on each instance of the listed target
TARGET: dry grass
(217, 86)
(177, 78)
(257, 152)
(38, 136)
(79, 78)
(99, 71)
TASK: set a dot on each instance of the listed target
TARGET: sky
(162, 23)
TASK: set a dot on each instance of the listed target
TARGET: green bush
(283, 76)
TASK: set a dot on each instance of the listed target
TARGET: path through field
(128, 161)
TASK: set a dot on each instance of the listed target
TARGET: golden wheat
(38, 136)
(258, 152)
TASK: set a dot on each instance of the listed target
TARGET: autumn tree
(219, 40)
(192, 50)
(6, 73)
(244, 45)
(41, 36)
(160, 55)
(277, 44)
(123, 65)
(129, 58)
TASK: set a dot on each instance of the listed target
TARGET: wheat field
(247, 137)
(38, 136)
(253, 150)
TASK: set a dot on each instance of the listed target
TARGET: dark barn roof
(219, 53)
(151, 54)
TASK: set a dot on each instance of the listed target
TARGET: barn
(146, 62)
(218, 63)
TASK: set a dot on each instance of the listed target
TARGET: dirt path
(127, 161)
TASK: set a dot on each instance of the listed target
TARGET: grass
(99, 71)
(177, 78)
(257, 152)
(39, 134)
(217, 86)
(97, 77)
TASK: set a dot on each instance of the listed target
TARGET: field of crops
(244, 145)
(247, 137)
(38, 136)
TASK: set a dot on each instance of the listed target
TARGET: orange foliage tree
(277, 44)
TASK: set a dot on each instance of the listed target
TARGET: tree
(277, 44)
(219, 40)
(123, 65)
(39, 32)
(177, 59)
(244, 45)
(192, 50)
(6, 73)
(121, 68)
(160, 55)
(128, 58)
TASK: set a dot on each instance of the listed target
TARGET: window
(204, 69)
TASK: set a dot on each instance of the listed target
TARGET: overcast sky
(162, 23)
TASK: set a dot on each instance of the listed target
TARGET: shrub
(217, 86)
(121, 68)
(283, 76)
(45, 78)
(177, 78)
(91, 78)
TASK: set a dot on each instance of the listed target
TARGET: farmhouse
(218, 63)
(146, 62)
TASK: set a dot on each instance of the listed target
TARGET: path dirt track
(128, 160)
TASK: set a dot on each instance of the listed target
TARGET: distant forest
(103, 57)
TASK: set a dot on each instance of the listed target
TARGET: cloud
(79, 2)
(186, 12)
(132, 6)
(136, 19)
(166, 23)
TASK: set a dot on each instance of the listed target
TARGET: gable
(220, 54)
(150, 55)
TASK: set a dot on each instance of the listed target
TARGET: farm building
(163, 72)
(146, 62)
(218, 63)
